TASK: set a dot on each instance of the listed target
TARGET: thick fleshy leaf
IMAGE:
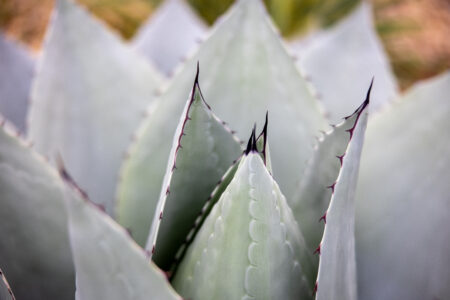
(16, 71)
(343, 59)
(246, 73)
(170, 34)
(109, 264)
(88, 97)
(202, 150)
(337, 267)
(314, 193)
(6, 292)
(403, 212)
(34, 243)
(251, 239)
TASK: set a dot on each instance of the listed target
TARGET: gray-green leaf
(89, 95)
(249, 246)
(109, 264)
(34, 243)
(337, 267)
(403, 212)
(202, 150)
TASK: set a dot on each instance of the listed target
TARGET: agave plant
(198, 214)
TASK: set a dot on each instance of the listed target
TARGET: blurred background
(415, 33)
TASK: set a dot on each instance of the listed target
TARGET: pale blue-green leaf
(16, 71)
(337, 266)
(202, 151)
(6, 292)
(170, 34)
(245, 72)
(343, 59)
(249, 246)
(34, 243)
(403, 212)
(108, 263)
(88, 97)
(312, 198)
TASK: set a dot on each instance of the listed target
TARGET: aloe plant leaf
(247, 72)
(16, 71)
(89, 95)
(314, 191)
(267, 259)
(351, 45)
(337, 266)
(403, 211)
(170, 34)
(34, 244)
(5, 290)
(108, 263)
(202, 151)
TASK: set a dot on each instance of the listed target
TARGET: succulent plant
(201, 214)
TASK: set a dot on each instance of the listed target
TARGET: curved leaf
(109, 264)
(16, 71)
(247, 72)
(343, 59)
(337, 267)
(34, 243)
(251, 239)
(89, 95)
(170, 34)
(403, 212)
(202, 151)
(5, 290)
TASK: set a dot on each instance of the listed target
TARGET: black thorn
(197, 73)
(251, 145)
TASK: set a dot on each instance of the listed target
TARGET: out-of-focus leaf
(403, 211)
(16, 71)
(314, 192)
(34, 243)
(5, 290)
(343, 59)
(202, 150)
(251, 240)
(337, 267)
(246, 72)
(170, 34)
(109, 264)
(88, 97)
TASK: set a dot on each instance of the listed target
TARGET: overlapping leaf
(246, 72)
(403, 212)
(251, 239)
(108, 263)
(89, 95)
(202, 150)
(170, 34)
(34, 244)
(337, 268)
(5, 290)
(343, 59)
(16, 71)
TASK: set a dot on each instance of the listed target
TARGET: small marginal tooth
(315, 289)
(317, 251)
(324, 218)
(340, 157)
(332, 187)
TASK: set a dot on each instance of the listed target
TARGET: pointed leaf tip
(251, 145)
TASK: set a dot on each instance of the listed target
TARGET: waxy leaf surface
(251, 239)
(34, 243)
(403, 212)
(245, 71)
(88, 97)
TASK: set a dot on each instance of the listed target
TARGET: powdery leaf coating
(89, 95)
(403, 212)
(337, 266)
(251, 239)
(34, 244)
(16, 71)
(202, 150)
(342, 60)
(108, 263)
(246, 73)
(170, 34)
